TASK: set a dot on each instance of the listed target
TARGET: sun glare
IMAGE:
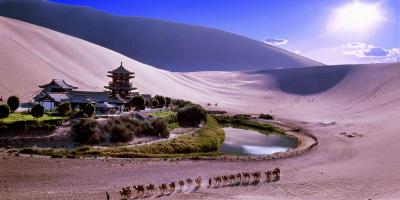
(356, 17)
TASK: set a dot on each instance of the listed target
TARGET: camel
(246, 177)
(218, 180)
(256, 176)
(198, 181)
(172, 187)
(134, 188)
(232, 178)
(122, 194)
(163, 188)
(128, 192)
(189, 182)
(269, 176)
(125, 193)
(209, 182)
(239, 177)
(151, 189)
(181, 184)
(225, 179)
(277, 171)
(140, 190)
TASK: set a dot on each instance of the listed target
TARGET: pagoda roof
(117, 99)
(86, 96)
(120, 70)
(58, 84)
(54, 96)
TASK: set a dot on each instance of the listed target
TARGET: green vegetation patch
(245, 120)
(205, 142)
(164, 114)
(173, 126)
(206, 139)
(25, 122)
(15, 117)
(266, 116)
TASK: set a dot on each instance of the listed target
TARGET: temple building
(118, 94)
(120, 84)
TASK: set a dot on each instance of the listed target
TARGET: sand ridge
(362, 99)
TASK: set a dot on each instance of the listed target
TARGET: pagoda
(120, 85)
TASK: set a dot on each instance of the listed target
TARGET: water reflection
(251, 142)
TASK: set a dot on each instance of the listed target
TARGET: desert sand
(362, 99)
(162, 44)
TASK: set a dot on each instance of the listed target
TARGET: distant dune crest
(165, 45)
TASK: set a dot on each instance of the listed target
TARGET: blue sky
(330, 31)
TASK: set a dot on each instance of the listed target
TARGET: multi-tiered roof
(120, 85)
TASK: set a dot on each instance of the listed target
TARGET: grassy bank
(169, 116)
(18, 117)
(21, 123)
(205, 142)
(245, 121)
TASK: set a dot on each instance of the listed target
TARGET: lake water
(252, 142)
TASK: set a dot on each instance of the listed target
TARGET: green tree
(4, 111)
(154, 103)
(138, 102)
(147, 103)
(161, 101)
(13, 103)
(191, 115)
(180, 103)
(88, 109)
(167, 101)
(37, 111)
(161, 127)
(86, 131)
(64, 109)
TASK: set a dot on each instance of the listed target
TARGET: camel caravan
(243, 178)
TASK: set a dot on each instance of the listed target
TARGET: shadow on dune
(166, 45)
(308, 80)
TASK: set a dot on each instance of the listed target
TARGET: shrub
(191, 115)
(4, 111)
(265, 116)
(145, 128)
(167, 101)
(88, 110)
(64, 109)
(161, 101)
(160, 126)
(242, 116)
(37, 111)
(74, 114)
(180, 103)
(86, 131)
(154, 103)
(120, 133)
(138, 102)
(13, 103)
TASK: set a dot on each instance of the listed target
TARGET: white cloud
(363, 50)
(275, 41)
(355, 45)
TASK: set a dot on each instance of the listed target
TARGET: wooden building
(120, 84)
(120, 91)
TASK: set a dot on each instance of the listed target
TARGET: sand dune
(364, 99)
(31, 55)
(166, 45)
